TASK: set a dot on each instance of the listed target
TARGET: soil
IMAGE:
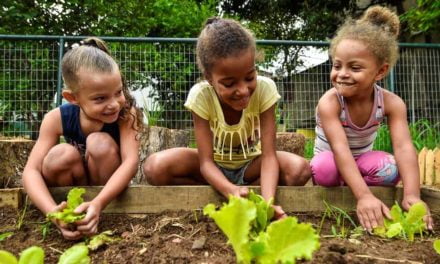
(190, 237)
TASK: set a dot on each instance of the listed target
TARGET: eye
(119, 93)
(356, 68)
(99, 99)
(228, 84)
(336, 66)
(250, 78)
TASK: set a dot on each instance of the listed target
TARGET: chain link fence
(161, 71)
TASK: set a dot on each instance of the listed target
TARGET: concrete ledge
(152, 199)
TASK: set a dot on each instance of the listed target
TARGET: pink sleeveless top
(360, 139)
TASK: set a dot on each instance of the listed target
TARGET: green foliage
(99, 240)
(425, 18)
(309, 148)
(31, 255)
(77, 254)
(254, 239)
(5, 235)
(383, 139)
(436, 246)
(74, 199)
(344, 226)
(404, 224)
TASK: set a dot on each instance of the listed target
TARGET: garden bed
(159, 232)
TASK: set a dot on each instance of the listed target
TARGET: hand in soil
(89, 225)
(409, 200)
(68, 231)
(370, 212)
(278, 212)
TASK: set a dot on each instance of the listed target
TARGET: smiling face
(234, 79)
(355, 69)
(99, 96)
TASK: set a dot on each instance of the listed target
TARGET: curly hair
(378, 29)
(219, 39)
(94, 55)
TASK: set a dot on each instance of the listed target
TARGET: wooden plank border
(152, 199)
(140, 199)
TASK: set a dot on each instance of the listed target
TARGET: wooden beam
(153, 199)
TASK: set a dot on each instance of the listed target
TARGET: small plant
(5, 235)
(31, 255)
(77, 254)
(74, 199)
(246, 223)
(152, 115)
(345, 226)
(403, 224)
(45, 229)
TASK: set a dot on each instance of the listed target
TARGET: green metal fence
(160, 72)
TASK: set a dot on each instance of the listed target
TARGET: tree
(129, 18)
(424, 18)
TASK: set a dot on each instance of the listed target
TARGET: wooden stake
(422, 157)
(429, 168)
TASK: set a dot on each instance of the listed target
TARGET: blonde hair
(93, 55)
(378, 29)
(221, 38)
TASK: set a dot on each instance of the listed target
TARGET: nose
(113, 104)
(343, 72)
(242, 89)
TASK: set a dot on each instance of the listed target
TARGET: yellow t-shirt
(233, 145)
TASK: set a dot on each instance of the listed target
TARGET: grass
(344, 226)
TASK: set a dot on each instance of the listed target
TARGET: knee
(324, 170)
(100, 145)
(154, 171)
(60, 157)
(299, 173)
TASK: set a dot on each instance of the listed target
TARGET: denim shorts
(236, 176)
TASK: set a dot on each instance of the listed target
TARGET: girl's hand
(69, 232)
(409, 200)
(278, 212)
(240, 191)
(89, 225)
(370, 212)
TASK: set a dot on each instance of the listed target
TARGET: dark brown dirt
(170, 237)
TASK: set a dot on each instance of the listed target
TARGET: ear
(70, 97)
(383, 71)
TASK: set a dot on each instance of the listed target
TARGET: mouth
(344, 84)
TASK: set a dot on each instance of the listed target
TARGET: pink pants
(376, 167)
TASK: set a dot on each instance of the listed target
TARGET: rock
(291, 142)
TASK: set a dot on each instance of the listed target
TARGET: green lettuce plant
(74, 199)
(403, 224)
(436, 246)
(246, 223)
(31, 255)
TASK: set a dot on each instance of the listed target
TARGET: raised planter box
(151, 199)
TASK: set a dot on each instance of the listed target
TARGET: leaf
(288, 240)
(77, 254)
(416, 212)
(396, 213)
(234, 219)
(394, 230)
(7, 257)
(74, 199)
(437, 246)
(32, 255)
(5, 235)
(99, 240)
(265, 211)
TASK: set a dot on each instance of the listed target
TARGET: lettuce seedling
(403, 224)
(77, 254)
(74, 199)
(99, 240)
(31, 255)
(246, 223)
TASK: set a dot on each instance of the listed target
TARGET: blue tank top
(72, 128)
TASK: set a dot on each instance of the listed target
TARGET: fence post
(391, 80)
(59, 75)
